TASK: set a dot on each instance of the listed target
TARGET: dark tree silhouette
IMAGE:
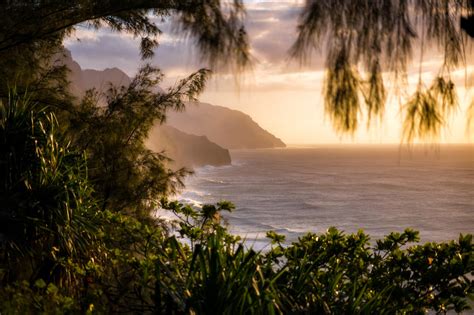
(217, 28)
(32, 32)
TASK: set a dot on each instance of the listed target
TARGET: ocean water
(376, 188)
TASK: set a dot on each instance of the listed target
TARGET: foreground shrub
(47, 215)
(331, 273)
(198, 268)
(39, 298)
(60, 254)
(334, 273)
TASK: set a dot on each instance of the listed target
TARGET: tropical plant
(145, 268)
(330, 273)
(334, 273)
(47, 213)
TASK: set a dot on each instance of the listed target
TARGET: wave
(193, 194)
(192, 202)
(251, 227)
(214, 181)
(165, 215)
(209, 168)
(238, 163)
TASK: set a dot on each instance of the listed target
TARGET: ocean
(379, 189)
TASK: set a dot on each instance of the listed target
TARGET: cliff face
(102, 79)
(228, 128)
(199, 136)
(186, 150)
(83, 80)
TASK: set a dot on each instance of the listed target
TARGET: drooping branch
(218, 30)
(376, 37)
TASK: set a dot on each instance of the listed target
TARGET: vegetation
(47, 210)
(78, 189)
(197, 267)
(127, 176)
(365, 51)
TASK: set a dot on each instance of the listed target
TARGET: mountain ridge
(185, 149)
(229, 128)
(181, 136)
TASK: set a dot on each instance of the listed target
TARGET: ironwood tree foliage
(217, 27)
(124, 173)
(127, 176)
(31, 34)
(363, 39)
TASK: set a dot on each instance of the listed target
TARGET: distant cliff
(199, 136)
(83, 80)
(185, 149)
(228, 128)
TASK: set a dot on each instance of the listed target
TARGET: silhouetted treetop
(217, 27)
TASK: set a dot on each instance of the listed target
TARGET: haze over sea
(376, 188)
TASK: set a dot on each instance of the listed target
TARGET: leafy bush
(332, 273)
(145, 268)
(40, 298)
(46, 210)
(60, 252)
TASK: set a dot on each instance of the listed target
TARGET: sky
(281, 95)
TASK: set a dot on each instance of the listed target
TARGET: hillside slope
(196, 137)
(186, 150)
(84, 79)
(228, 128)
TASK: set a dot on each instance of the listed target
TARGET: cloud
(104, 49)
(271, 27)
